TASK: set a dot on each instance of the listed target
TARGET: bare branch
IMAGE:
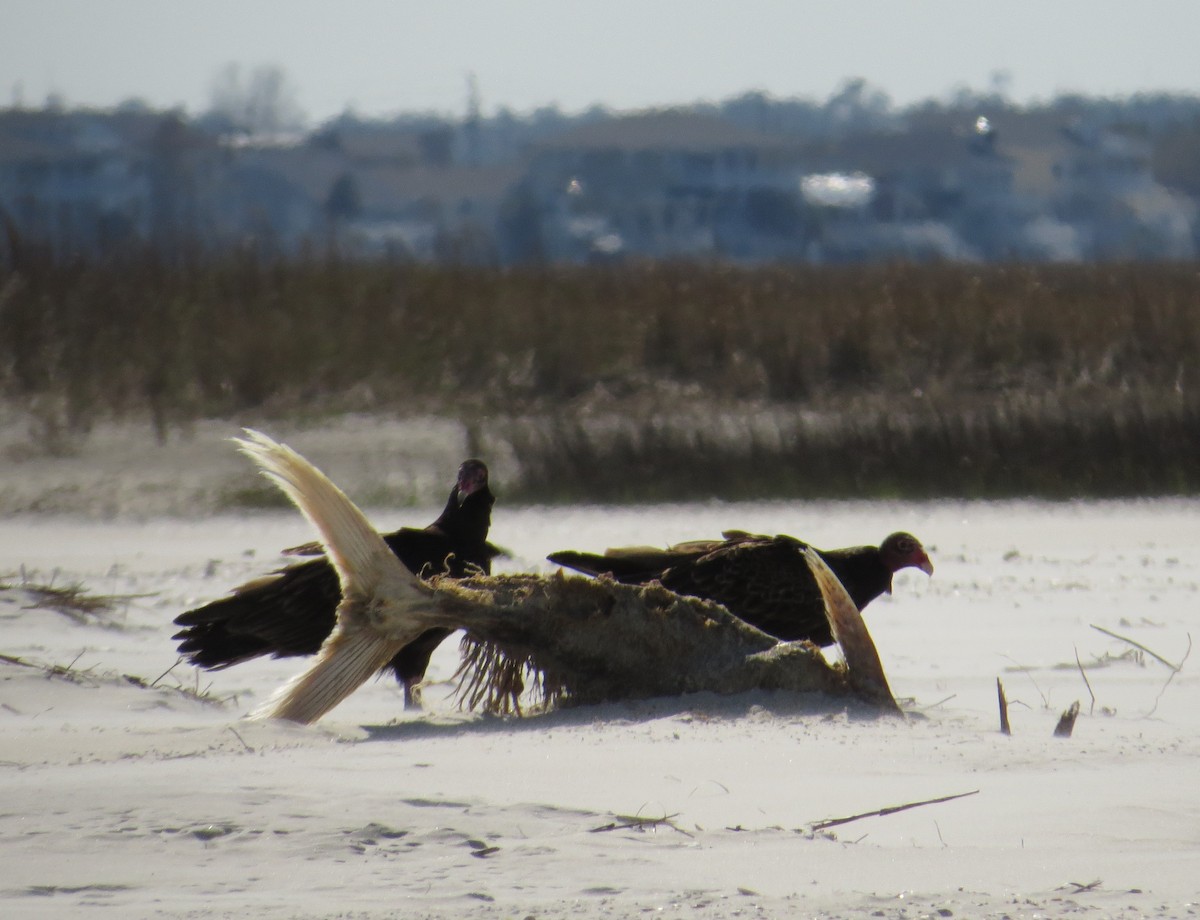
(890, 810)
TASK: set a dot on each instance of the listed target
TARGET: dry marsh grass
(887, 379)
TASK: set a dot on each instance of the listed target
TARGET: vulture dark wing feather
(763, 580)
(293, 610)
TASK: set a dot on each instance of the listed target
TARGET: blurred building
(672, 184)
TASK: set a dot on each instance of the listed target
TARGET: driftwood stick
(1005, 728)
(1066, 724)
(1137, 645)
(890, 810)
(1087, 683)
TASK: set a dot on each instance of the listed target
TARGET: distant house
(942, 191)
(1108, 194)
(90, 183)
(447, 214)
(937, 184)
(68, 181)
(667, 184)
(385, 195)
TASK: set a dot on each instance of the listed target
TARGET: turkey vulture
(292, 610)
(764, 580)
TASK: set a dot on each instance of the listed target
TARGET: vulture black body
(763, 580)
(294, 609)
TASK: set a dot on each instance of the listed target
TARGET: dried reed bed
(1054, 446)
(889, 378)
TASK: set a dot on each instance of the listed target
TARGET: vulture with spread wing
(293, 610)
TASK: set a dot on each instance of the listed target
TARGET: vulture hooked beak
(920, 561)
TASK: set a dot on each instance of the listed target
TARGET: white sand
(119, 800)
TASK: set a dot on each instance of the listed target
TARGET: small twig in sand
(1025, 670)
(1175, 668)
(1087, 683)
(154, 683)
(945, 699)
(1066, 724)
(1139, 645)
(13, 659)
(1171, 677)
(249, 749)
(1080, 887)
(890, 810)
(1005, 728)
(636, 822)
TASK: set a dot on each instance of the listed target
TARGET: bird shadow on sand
(702, 707)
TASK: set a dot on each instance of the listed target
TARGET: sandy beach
(133, 786)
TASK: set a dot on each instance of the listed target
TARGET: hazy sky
(381, 57)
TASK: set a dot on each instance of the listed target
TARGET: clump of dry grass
(94, 677)
(72, 599)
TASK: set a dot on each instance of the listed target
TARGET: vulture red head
(472, 476)
(902, 551)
